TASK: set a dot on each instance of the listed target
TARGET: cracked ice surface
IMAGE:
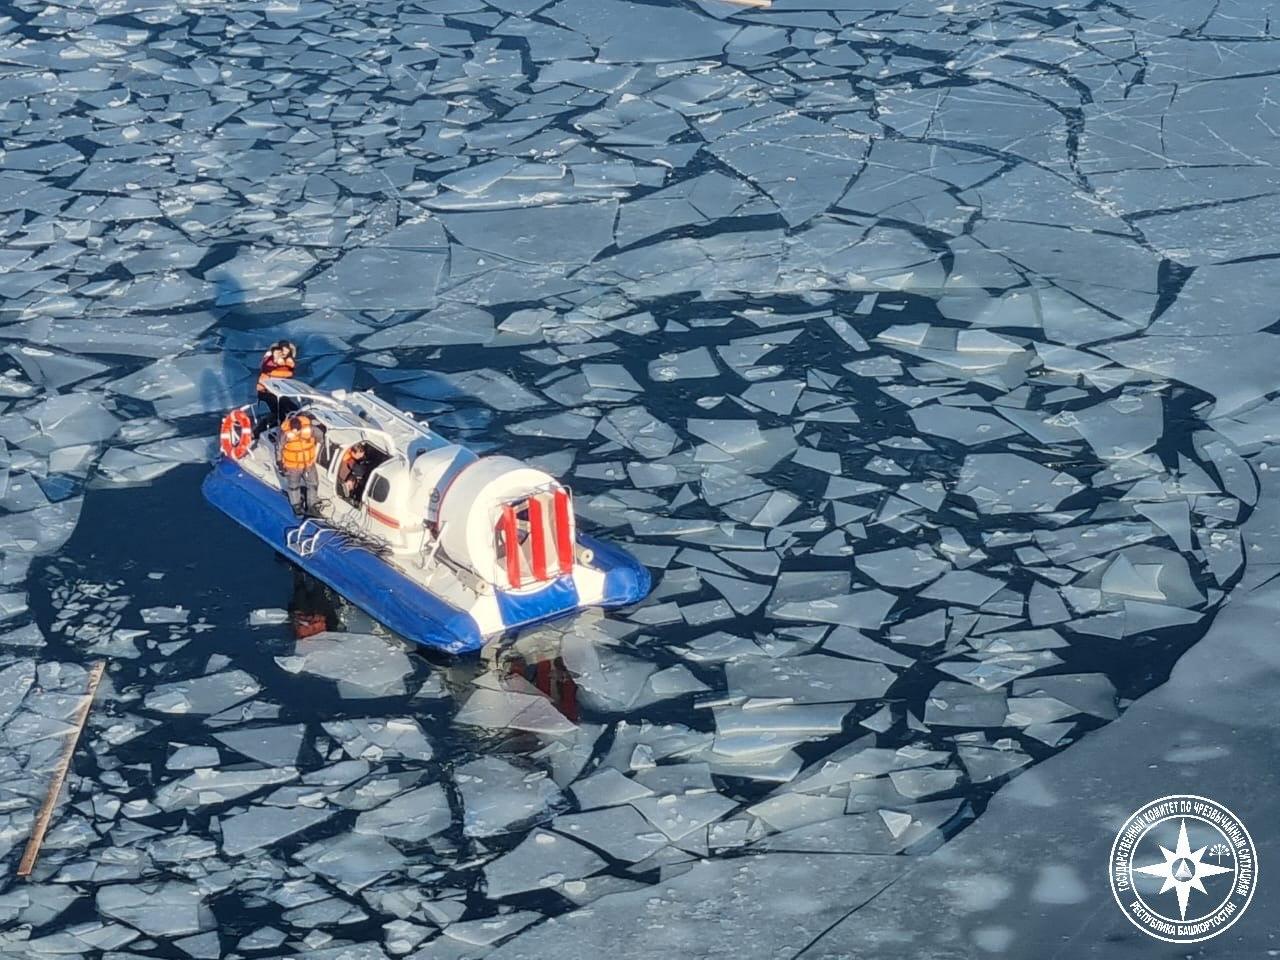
(923, 352)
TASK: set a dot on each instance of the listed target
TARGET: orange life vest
(299, 449)
(270, 370)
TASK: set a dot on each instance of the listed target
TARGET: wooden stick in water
(28, 861)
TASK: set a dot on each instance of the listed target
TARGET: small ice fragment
(192, 757)
(203, 695)
(543, 859)
(364, 665)
(169, 909)
(901, 567)
(272, 746)
(263, 826)
(961, 705)
(267, 616)
(497, 796)
(165, 615)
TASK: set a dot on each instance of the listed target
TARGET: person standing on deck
(297, 453)
(277, 363)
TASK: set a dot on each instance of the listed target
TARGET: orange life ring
(237, 434)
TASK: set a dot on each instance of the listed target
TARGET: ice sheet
(768, 293)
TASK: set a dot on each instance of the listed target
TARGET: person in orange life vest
(296, 452)
(278, 362)
(354, 469)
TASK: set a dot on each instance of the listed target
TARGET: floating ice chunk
(966, 587)
(15, 680)
(1120, 428)
(851, 643)
(558, 234)
(731, 436)
(968, 427)
(922, 631)
(813, 678)
(384, 279)
(260, 827)
(901, 567)
(413, 815)
(674, 681)
(180, 386)
(961, 705)
(983, 765)
(494, 388)
(608, 680)
(788, 811)
(170, 909)
(203, 695)
(447, 324)
(402, 936)
(1045, 605)
(264, 938)
(1018, 641)
(695, 364)
(828, 461)
(1032, 711)
(915, 784)
(542, 860)
(482, 933)
(607, 787)
(376, 739)
(743, 595)
(497, 796)
(510, 709)
(676, 778)
(866, 609)
(259, 273)
(776, 396)
(678, 816)
(205, 786)
(1173, 517)
(364, 665)
(802, 720)
(353, 861)
(1007, 483)
(1126, 579)
(27, 636)
(268, 617)
(271, 746)
(1091, 693)
(765, 148)
(995, 671)
(192, 758)
(54, 370)
(561, 426)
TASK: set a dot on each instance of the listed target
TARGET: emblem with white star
(1182, 870)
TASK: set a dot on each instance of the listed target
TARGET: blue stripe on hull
(367, 581)
(626, 579)
(392, 598)
(556, 599)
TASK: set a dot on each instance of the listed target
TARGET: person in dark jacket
(279, 362)
(353, 471)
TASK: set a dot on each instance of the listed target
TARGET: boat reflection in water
(313, 608)
(549, 675)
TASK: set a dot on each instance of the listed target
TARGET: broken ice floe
(966, 375)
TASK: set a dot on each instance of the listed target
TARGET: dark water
(162, 545)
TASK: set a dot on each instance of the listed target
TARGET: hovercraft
(441, 545)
